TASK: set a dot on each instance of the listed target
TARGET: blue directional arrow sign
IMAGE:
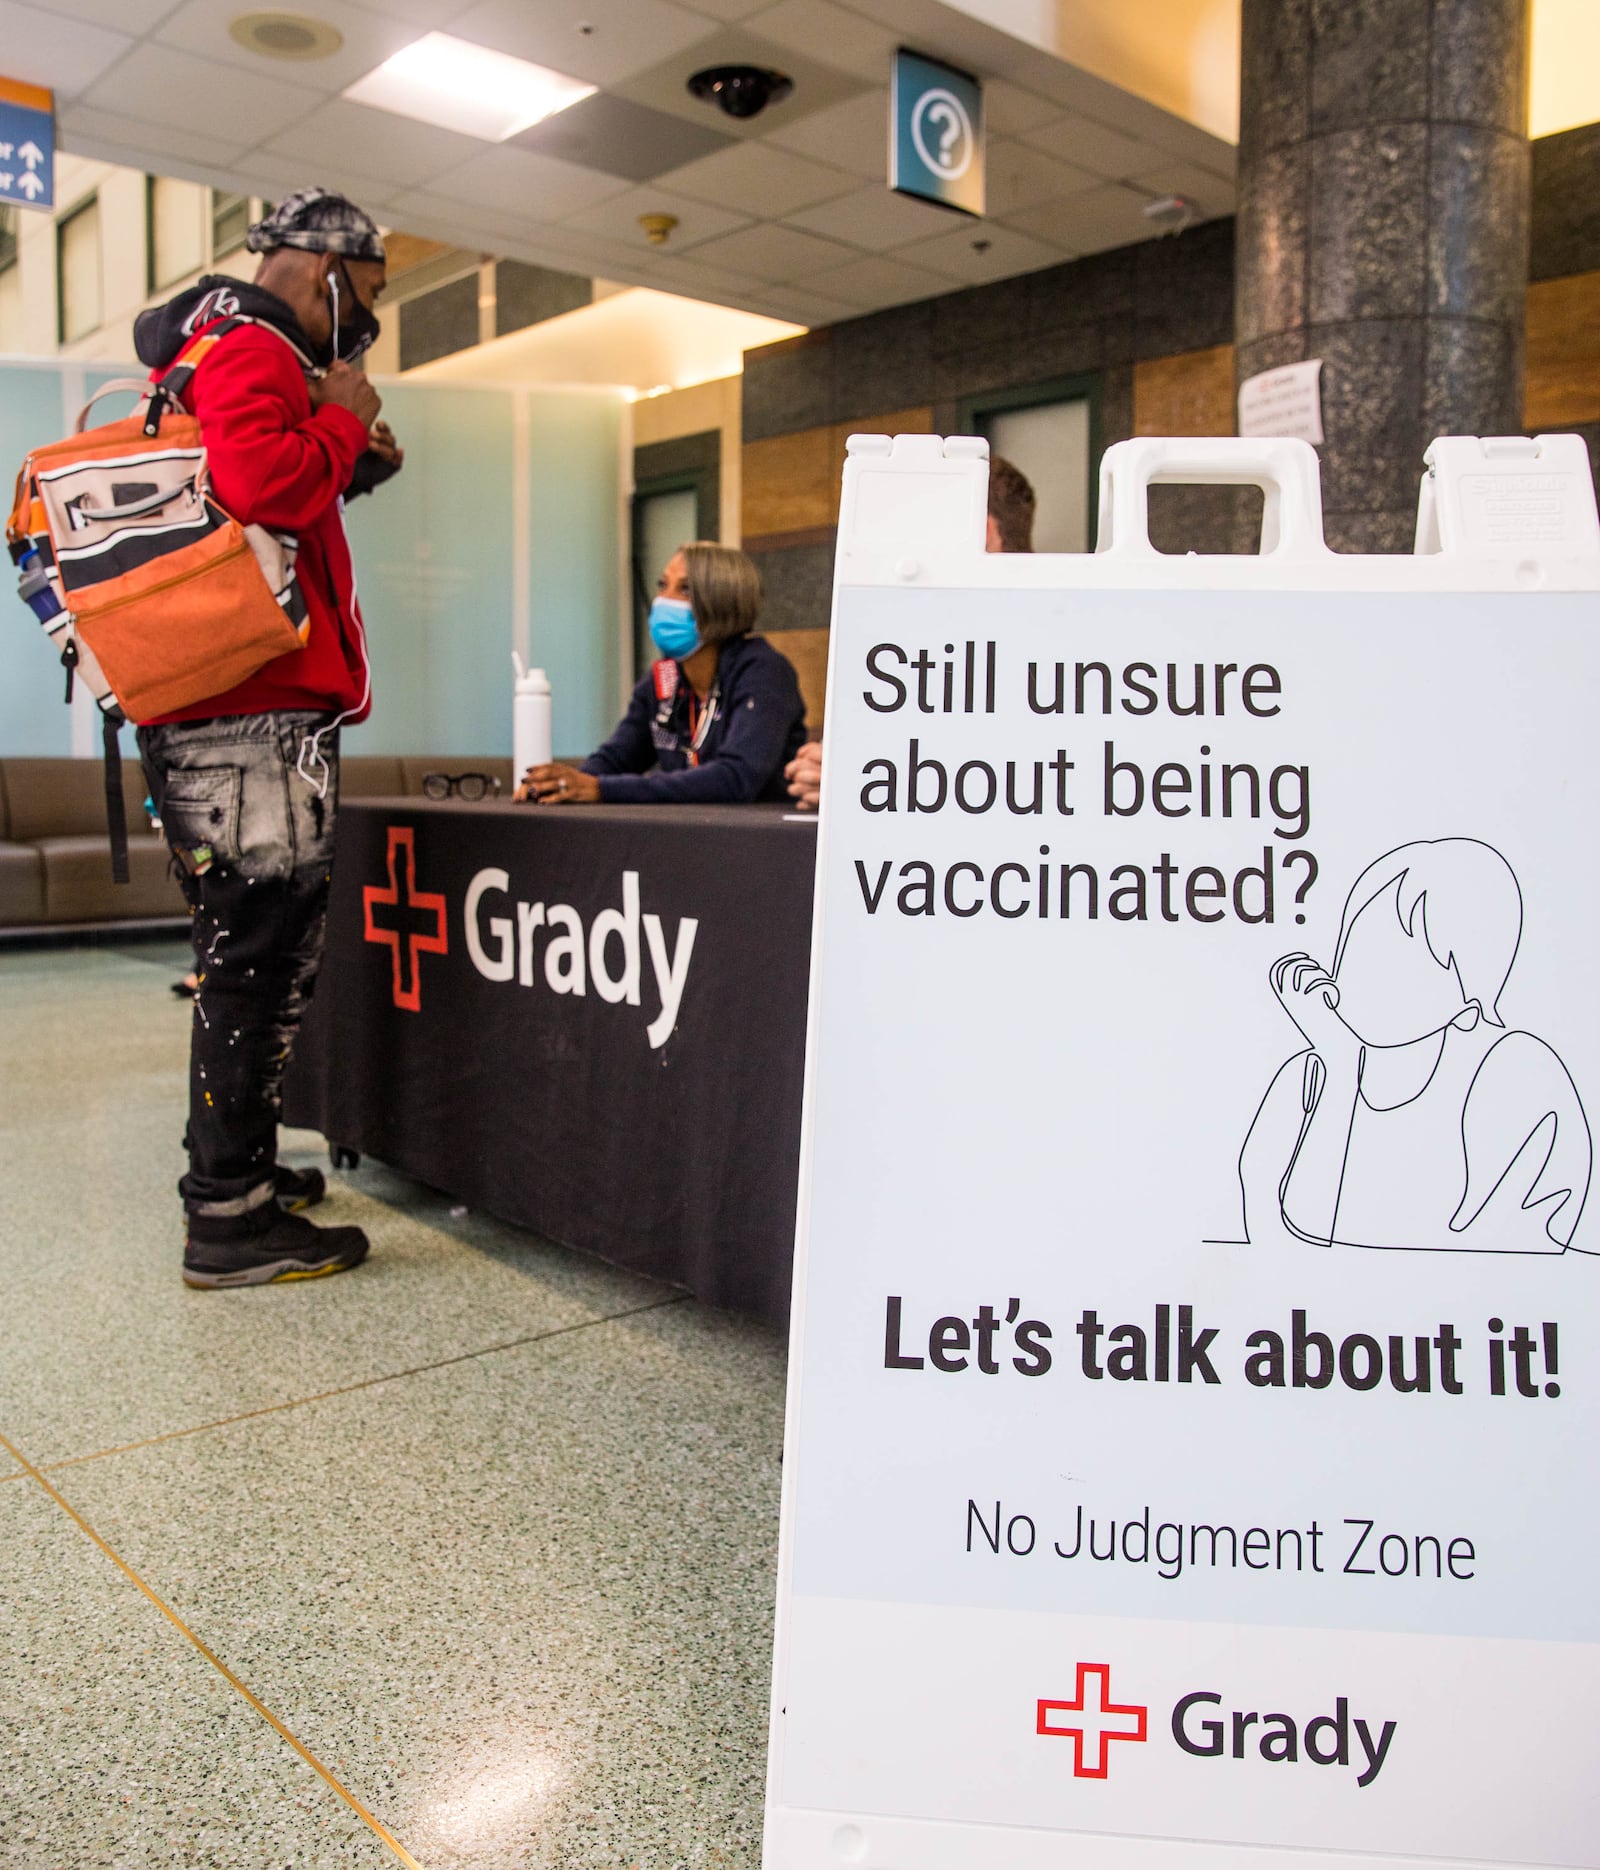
(27, 145)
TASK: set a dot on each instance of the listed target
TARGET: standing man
(247, 783)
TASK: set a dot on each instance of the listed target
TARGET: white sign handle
(1286, 471)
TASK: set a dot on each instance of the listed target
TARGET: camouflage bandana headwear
(318, 221)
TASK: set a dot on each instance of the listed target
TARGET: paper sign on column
(1286, 402)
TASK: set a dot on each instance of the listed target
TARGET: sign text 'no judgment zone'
(1089, 777)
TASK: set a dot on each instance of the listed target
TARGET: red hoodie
(275, 461)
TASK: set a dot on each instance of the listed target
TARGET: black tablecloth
(553, 1109)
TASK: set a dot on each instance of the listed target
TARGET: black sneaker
(265, 1246)
(297, 1189)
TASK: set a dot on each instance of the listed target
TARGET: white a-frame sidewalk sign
(1196, 1364)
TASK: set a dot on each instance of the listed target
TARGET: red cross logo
(414, 908)
(1099, 1720)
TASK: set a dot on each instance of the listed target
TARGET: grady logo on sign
(413, 909)
(1098, 1720)
(1093, 1719)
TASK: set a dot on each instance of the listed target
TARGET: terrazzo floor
(465, 1558)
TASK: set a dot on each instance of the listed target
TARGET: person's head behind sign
(1011, 508)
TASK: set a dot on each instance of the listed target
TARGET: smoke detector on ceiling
(657, 227)
(740, 90)
(286, 35)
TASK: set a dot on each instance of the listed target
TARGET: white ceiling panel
(163, 85)
(875, 217)
(514, 181)
(627, 36)
(853, 135)
(773, 253)
(82, 122)
(618, 219)
(64, 54)
(435, 14)
(376, 142)
(730, 10)
(836, 36)
(1009, 110)
(803, 308)
(1093, 146)
(1103, 217)
(757, 179)
(201, 26)
(874, 281)
(695, 281)
(130, 16)
(1020, 176)
(273, 174)
(984, 253)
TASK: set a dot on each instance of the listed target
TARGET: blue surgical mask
(672, 628)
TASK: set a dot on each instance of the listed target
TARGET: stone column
(1383, 227)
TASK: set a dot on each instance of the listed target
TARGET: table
(589, 1022)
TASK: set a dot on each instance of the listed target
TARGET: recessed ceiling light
(286, 35)
(461, 86)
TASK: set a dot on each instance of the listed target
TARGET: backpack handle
(137, 386)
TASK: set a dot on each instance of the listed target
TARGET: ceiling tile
(629, 36)
(1104, 152)
(429, 14)
(377, 142)
(1103, 217)
(800, 307)
(695, 281)
(65, 54)
(666, 86)
(129, 16)
(1009, 110)
(82, 122)
(771, 252)
(1020, 176)
(759, 179)
(1210, 193)
(511, 181)
(821, 30)
(622, 137)
(202, 26)
(618, 220)
(1003, 253)
(730, 9)
(875, 217)
(877, 282)
(163, 85)
(854, 135)
(273, 174)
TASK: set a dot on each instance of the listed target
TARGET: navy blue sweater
(757, 729)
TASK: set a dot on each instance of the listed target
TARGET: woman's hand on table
(804, 774)
(559, 784)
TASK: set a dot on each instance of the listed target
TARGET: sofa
(55, 855)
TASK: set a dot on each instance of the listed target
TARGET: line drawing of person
(1414, 1118)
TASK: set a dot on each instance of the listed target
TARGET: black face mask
(353, 336)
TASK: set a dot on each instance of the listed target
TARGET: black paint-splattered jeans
(255, 839)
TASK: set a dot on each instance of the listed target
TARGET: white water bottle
(530, 719)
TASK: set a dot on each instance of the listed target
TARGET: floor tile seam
(234, 1681)
(351, 1389)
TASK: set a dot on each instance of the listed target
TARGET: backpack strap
(111, 722)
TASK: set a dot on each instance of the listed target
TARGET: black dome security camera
(740, 90)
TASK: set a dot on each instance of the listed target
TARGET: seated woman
(717, 718)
